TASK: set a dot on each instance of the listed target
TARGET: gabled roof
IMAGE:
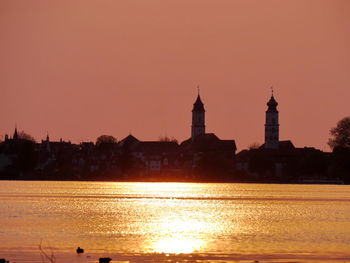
(201, 138)
(128, 141)
(208, 141)
(282, 145)
(286, 145)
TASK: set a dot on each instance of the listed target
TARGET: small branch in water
(44, 256)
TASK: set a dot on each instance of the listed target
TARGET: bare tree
(104, 139)
(25, 136)
(167, 139)
(340, 134)
(254, 145)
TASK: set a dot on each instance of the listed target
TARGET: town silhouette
(201, 158)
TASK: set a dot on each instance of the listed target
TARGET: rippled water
(174, 222)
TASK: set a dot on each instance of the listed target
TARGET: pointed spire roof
(198, 105)
(15, 134)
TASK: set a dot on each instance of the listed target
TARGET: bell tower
(271, 125)
(198, 118)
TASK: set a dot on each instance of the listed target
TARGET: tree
(25, 136)
(167, 139)
(254, 145)
(340, 134)
(105, 139)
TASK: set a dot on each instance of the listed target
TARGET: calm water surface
(177, 222)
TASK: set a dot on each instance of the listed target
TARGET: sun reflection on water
(170, 190)
(145, 219)
(179, 236)
(177, 244)
(179, 225)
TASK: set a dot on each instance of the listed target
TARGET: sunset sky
(79, 69)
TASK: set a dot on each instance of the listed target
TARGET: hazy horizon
(80, 69)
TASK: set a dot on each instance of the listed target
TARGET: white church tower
(198, 118)
(271, 125)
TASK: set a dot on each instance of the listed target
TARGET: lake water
(174, 222)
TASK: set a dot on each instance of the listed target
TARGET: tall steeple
(47, 142)
(15, 134)
(271, 124)
(198, 117)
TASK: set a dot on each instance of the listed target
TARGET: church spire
(272, 103)
(15, 134)
(198, 105)
(271, 124)
(198, 117)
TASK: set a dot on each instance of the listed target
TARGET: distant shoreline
(305, 182)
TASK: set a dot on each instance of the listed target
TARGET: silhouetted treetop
(340, 134)
(104, 139)
(254, 145)
(25, 136)
(167, 139)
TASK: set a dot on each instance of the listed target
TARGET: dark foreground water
(174, 222)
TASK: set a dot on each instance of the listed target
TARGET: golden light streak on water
(178, 235)
(178, 231)
(177, 244)
(139, 222)
(165, 190)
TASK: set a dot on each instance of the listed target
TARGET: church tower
(15, 134)
(271, 125)
(47, 142)
(198, 118)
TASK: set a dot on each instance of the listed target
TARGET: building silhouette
(202, 157)
(15, 134)
(271, 125)
(198, 118)
(205, 152)
(169, 157)
(281, 160)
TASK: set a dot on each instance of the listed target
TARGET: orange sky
(79, 69)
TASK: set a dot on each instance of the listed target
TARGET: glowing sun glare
(177, 244)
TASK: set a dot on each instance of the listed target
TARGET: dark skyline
(79, 70)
